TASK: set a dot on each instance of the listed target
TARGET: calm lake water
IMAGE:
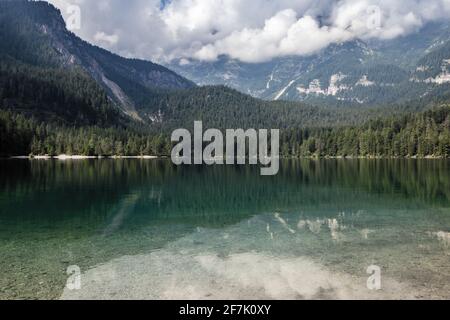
(146, 229)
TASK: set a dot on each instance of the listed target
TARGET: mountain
(277, 79)
(49, 73)
(435, 66)
(356, 72)
(34, 33)
(61, 95)
(406, 51)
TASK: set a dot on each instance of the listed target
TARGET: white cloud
(250, 30)
(110, 39)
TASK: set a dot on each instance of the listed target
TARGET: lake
(146, 229)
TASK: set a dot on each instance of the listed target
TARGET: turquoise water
(146, 229)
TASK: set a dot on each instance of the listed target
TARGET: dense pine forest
(425, 134)
(54, 94)
(22, 136)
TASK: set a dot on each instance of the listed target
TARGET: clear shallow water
(148, 230)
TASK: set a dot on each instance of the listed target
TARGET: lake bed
(150, 230)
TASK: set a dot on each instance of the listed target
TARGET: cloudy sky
(248, 30)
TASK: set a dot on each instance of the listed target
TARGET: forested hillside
(222, 107)
(425, 134)
(53, 94)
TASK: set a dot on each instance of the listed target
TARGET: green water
(149, 230)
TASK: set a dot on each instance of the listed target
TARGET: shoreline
(371, 158)
(78, 157)
(150, 157)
